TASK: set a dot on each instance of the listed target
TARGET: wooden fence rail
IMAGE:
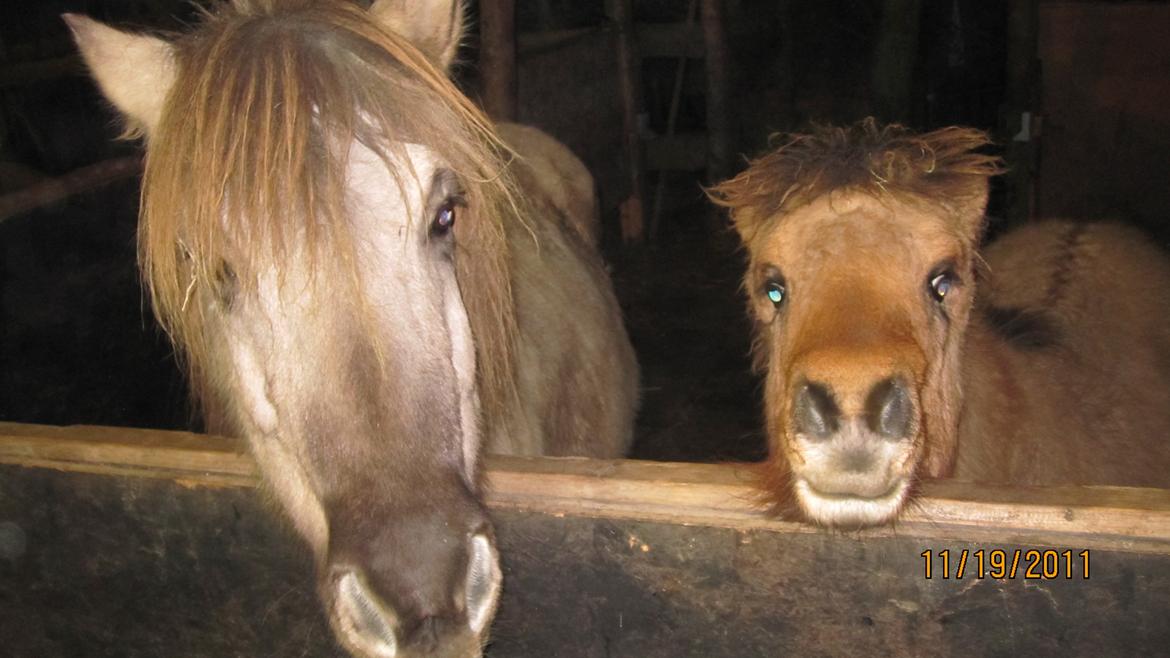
(716, 495)
(136, 543)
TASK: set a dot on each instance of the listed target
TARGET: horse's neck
(573, 359)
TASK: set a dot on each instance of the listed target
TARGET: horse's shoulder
(551, 173)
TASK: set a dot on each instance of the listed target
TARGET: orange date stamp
(1029, 564)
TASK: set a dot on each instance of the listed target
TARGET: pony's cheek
(907, 463)
(765, 311)
(784, 438)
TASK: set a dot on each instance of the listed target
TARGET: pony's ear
(744, 217)
(747, 222)
(971, 207)
(135, 72)
(434, 26)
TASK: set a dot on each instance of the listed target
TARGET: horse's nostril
(889, 409)
(362, 619)
(814, 412)
(482, 589)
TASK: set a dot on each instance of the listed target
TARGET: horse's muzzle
(417, 588)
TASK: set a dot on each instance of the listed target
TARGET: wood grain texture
(53, 190)
(715, 495)
(92, 565)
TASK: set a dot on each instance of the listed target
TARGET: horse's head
(322, 233)
(861, 278)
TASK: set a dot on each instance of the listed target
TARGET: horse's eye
(444, 219)
(776, 292)
(941, 285)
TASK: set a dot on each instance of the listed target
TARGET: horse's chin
(848, 511)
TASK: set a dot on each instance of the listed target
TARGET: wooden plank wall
(1105, 136)
(143, 543)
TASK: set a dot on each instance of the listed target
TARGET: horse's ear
(134, 71)
(434, 26)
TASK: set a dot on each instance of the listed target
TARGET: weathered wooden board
(187, 562)
(135, 567)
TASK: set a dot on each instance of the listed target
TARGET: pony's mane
(248, 166)
(942, 167)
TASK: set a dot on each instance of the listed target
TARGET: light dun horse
(882, 366)
(333, 237)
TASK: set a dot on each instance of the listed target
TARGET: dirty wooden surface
(716, 495)
(96, 564)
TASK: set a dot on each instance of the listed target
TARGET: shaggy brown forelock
(268, 96)
(941, 168)
(881, 160)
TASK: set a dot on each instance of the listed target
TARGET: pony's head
(323, 235)
(861, 247)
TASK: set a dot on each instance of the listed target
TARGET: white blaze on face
(374, 192)
(463, 359)
(279, 339)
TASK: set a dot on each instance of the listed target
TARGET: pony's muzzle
(888, 411)
(852, 443)
(418, 594)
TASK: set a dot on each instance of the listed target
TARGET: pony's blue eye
(444, 219)
(776, 292)
(941, 285)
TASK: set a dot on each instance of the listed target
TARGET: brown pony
(882, 365)
(362, 287)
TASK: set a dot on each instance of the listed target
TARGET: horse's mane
(248, 165)
(943, 167)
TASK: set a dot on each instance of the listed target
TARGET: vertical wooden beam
(680, 72)
(719, 132)
(786, 69)
(1021, 109)
(497, 57)
(630, 82)
(894, 56)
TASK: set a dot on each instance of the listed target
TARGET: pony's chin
(844, 511)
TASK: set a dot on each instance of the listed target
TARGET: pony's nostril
(890, 410)
(482, 589)
(814, 412)
(362, 619)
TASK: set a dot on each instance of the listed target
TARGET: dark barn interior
(1075, 94)
(79, 344)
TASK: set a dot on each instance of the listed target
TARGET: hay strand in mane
(247, 168)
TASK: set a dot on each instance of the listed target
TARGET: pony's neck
(989, 386)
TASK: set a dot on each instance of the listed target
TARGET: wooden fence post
(631, 210)
(718, 93)
(893, 61)
(1021, 107)
(497, 58)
